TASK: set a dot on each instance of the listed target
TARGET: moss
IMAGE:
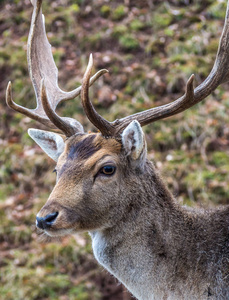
(220, 159)
(7, 33)
(137, 25)
(217, 9)
(161, 20)
(162, 17)
(119, 30)
(74, 8)
(105, 10)
(118, 13)
(128, 42)
(169, 32)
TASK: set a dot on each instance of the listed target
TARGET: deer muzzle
(47, 221)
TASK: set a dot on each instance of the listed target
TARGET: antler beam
(218, 75)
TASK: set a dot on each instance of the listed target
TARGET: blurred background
(150, 49)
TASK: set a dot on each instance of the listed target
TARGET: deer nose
(47, 221)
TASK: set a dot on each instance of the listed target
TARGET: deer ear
(133, 141)
(50, 142)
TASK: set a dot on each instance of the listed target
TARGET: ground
(150, 49)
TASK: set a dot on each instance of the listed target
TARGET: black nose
(47, 221)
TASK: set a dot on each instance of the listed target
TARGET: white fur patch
(52, 143)
(133, 139)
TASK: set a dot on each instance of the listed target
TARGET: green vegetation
(150, 55)
(119, 12)
(137, 25)
(128, 42)
(105, 10)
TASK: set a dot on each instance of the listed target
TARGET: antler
(44, 76)
(106, 127)
(218, 75)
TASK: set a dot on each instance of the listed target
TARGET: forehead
(90, 147)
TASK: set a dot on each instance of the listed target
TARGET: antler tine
(106, 128)
(218, 75)
(25, 111)
(42, 66)
(67, 125)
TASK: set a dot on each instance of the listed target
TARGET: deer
(106, 185)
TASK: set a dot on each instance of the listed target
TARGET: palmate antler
(43, 73)
(44, 76)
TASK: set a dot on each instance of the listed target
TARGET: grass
(150, 55)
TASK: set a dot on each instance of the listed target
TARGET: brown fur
(76, 169)
(158, 249)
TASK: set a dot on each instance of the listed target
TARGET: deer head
(96, 172)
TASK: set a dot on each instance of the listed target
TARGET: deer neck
(132, 248)
(154, 249)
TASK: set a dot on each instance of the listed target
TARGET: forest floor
(150, 49)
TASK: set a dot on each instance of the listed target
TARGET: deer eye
(108, 170)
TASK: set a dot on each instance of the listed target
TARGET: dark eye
(107, 170)
(54, 171)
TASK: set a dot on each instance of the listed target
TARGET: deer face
(91, 171)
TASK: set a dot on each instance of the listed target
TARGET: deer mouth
(58, 232)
